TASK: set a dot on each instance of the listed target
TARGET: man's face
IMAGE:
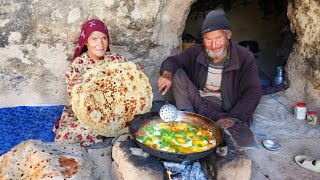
(216, 43)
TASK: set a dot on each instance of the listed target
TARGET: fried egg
(176, 137)
(183, 144)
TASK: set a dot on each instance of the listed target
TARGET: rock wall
(302, 68)
(37, 39)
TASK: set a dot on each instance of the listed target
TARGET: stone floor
(280, 164)
(273, 120)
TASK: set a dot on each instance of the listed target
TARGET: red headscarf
(87, 28)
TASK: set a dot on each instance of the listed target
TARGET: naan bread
(109, 97)
(38, 160)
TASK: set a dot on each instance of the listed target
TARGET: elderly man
(217, 79)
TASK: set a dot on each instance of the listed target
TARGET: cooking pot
(193, 119)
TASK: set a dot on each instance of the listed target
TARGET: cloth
(87, 28)
(213, 83)
(68, 128)
(215, 20)
(274, 89)
(187, 97)
(240, 86)
(242, 134)
(185, 93)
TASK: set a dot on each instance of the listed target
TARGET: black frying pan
(195, 120)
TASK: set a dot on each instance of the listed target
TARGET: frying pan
(193, 119)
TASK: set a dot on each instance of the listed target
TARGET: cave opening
(262, 26)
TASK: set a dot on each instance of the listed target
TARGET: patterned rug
(21, 123)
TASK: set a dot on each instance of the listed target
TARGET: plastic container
(300, 111)
(312, 117)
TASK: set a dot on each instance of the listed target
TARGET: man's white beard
(218, 55)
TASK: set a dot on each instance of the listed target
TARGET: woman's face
(97, 45)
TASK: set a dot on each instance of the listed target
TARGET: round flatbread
(109, 97)
(34, 159)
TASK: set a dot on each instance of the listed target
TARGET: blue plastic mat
(18, 124)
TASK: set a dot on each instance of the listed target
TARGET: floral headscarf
(87, 28)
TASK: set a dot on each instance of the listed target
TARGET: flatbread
(109, 97)
(34, 159)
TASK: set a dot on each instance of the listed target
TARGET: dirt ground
(274, 120)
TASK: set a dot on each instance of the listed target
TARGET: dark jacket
(240, 86)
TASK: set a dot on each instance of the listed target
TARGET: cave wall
(37, 40)
(248, 23)
(302, 70)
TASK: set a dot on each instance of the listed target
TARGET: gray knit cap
(215, 20)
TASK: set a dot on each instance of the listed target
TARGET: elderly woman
(92, 49)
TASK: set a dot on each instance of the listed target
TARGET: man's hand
(76, 80)
(225, 123)
(165, 82)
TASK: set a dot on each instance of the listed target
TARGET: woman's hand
(76, 80)
(165, 82)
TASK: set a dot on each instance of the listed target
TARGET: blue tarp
(21, 123)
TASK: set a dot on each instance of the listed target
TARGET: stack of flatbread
(109, 97)
(34, 159)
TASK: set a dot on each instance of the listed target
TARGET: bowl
(271, 145)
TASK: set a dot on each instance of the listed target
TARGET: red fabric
(57, 123)
(87, 28)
